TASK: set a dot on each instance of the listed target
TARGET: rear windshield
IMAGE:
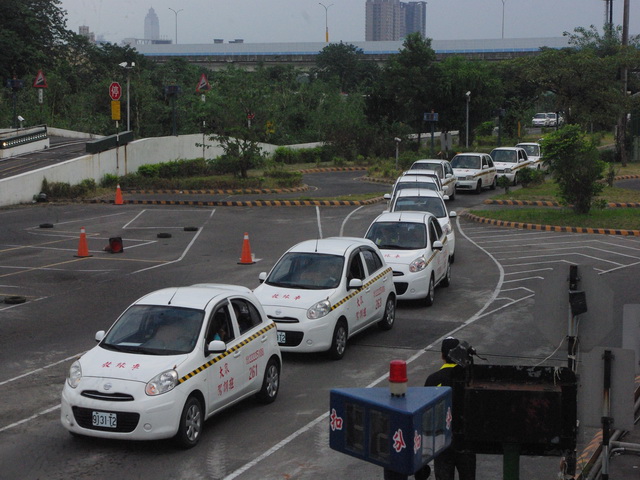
(466, 161)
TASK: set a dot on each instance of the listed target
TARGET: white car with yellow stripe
(510, 162)
(322, 292)
(444, 171)
(171, 360)
(534, 152)
(474, 171)
(415, 247)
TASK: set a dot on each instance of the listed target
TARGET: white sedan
(534, 152)
(420, 200)
(444, 171)
(321, 292)
(474, 171)
(510, 161)
(414, 245)
(173, 358)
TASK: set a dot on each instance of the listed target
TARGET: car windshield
(466, 161)
(505, 156)
(433, 205)
(398, 235)
(155, 330)
(540, 115)
(428, 166)
(532, 150)
(307, 270)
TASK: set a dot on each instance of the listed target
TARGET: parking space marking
(127, 226)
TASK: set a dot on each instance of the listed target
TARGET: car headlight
(75, 374)
(162, 383)
(319, 310)
(418, 265)
(507, 170)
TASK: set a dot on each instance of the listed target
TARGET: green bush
(504, 182)
(109, 181)
(485, 128)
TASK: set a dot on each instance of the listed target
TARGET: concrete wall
(127, 159)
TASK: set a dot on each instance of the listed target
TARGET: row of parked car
(547, 119)
(179, 355)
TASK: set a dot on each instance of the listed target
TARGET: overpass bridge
(217, 56)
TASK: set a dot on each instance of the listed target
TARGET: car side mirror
(387, 196)
(215, 346)
(484, 167)
(437, 245)
(354, 284)
(452, 214)
(445, 197)
(99, 335)
(262, 277)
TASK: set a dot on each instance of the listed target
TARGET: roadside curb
(552, 228)
(332, 169)
(543, 203)
(254, 203)
(235, 191)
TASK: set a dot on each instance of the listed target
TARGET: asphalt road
(497, 281)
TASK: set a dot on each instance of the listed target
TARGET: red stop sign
(115, 91)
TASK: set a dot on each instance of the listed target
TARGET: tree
(575, 165)
(345, 63)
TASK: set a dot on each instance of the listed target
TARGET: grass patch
(614, 218)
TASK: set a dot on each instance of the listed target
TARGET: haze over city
(260, 21)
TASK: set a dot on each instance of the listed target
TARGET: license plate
(282, 338)
(102, 419)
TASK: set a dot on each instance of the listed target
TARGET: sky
(261, 21)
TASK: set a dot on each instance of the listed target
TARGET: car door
(251, 343)
(449, 179)
(440, 257)
(488, 174)
(359, 305)
(378, 288)
(225, 375)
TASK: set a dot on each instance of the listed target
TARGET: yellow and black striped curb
(235, 191)
(255, 203)
(544, 203)
(332, 169)
(552, 228)
(386, 181)
(217, 358)
(364, 287)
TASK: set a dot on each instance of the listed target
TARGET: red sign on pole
(115, 91)
(40, 81)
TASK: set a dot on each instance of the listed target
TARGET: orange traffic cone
(118, 196)
(83, 248)
(246, 258)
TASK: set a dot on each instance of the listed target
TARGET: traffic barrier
(118, 196)
(83, 248)
(246, 258)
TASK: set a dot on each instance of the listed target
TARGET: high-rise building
(85, 32)
(416, 18)
(392, 20)
(151, 26)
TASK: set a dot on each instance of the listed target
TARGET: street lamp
(326, 20)
(503, 18)
(468, 95)
(128, 66)
(176, 12)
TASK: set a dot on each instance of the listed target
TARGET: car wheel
(446, 281)
(479, 186)
(389, 316)
(270, 382)
(494, 184)
(452, 197)
(191, 423)
(339, 341)
(431, 294)
(515, 179)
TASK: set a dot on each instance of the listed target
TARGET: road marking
(32, 417)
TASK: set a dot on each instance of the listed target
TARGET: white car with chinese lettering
(171, 360)
(474, 171)
(534, 152)
(414, 245)
(444, 171)
(322, 292)
(510, 162)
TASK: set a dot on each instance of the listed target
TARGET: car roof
(331, 245)
(469, 153)
(508, 148)
(408, 178)
(411, 217)
(430, 160)
(527, 143)
(418, 192)
(194, 296)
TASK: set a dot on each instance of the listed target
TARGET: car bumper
(411, 285)
(467, 184)
(304, 335)
(143, 418)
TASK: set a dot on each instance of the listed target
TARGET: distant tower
(384, 20)
(416, 18)
(151, 26)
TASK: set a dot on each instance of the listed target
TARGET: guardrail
(23, 136)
